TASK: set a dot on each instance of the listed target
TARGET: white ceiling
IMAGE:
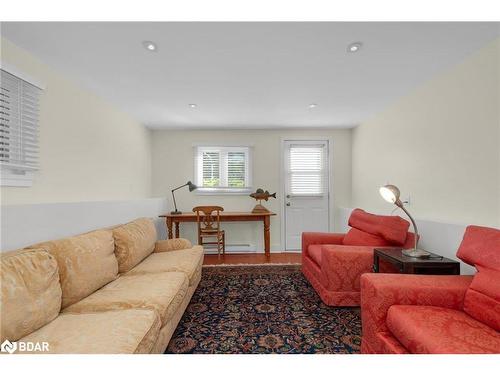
(250, 75)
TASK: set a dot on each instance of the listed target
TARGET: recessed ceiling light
(354, 47)
(313, 105)
(192, 105)
(149, 45)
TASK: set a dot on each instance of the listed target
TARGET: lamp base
(175, 212)
(416, 253)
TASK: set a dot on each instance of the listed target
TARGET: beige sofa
(115, 290)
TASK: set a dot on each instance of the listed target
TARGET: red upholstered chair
(333, 263)
(437, 314)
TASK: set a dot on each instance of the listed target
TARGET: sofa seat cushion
(161, 292)
(187, 261)
(134, 242)
(86, 263)
(112, 332)
(430, 329)
(30, 295)
(314, 252)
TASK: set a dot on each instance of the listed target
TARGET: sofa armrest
(381, 291)
(172, 245)
(342, 266)
(320, 238)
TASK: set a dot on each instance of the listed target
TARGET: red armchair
(437, 314)
(333, 263)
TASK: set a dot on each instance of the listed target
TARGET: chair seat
(430, 329)
(111, 332)
(161, 292)
(211, 233)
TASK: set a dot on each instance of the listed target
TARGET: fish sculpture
(261, 195)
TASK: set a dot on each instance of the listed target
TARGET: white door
(306, 190)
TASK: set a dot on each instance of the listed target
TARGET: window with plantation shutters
(307, 170)
(222, 169)
(19, 108)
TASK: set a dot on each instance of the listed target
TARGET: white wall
(173, 165)
(439, 144)
(23, 225)
(88, 149)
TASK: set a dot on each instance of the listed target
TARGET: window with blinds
(223, 169)
(307, 170)
(19, 107)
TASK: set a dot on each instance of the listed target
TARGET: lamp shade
(191, 186)
(390, 193)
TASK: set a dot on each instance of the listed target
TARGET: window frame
(20, 176)
(323, 172)
(223, 169)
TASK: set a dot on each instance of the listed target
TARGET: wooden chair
(209, 226)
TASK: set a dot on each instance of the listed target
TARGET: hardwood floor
(211, 259)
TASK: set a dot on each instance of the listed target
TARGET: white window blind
(307, 170)
(222, 169)
(19, 107)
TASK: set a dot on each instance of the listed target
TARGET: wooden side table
(436, 265)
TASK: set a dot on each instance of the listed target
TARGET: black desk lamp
(191, 188)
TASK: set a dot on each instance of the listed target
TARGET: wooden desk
(224, 216)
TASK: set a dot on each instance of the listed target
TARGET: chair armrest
(172, 245)
(320, 238)
(342, 266)
(381, 291)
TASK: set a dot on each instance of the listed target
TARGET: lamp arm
(173, 196)
(177, 188)
(400, 205)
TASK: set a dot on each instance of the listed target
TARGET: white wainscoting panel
(436, 237)
(23, 225)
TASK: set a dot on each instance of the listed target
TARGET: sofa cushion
(482, 299)
(86, 263)
(134, 242)
(161, 292)
(356, 237)
(113, 332)
(481, 247)
(392, 228)
(430, 329)
(187, 261)
(31, 293)
(315, 253)
(172, 244)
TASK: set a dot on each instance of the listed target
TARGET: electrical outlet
(408, 200)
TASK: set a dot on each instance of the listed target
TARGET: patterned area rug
(263, 309)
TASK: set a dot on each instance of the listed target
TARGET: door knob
(288, 203)
(288, 195)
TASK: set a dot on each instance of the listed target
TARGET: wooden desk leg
(176, 229)
(169, 228)
(267, 236)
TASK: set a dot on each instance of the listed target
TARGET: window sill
(222, 191)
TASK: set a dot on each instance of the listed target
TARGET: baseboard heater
(231, 248)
